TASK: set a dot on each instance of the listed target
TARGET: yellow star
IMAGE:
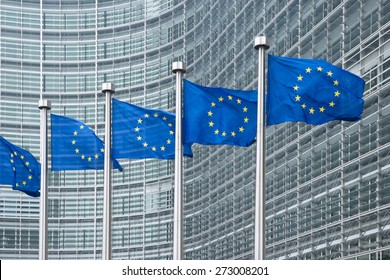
(319, 69)
(139, 138)
(211, 124)
(303, 106)
(209, 113)
(241, 129)
(322, 109)
(27, 163)
(96, 156)
(331, 104)
(146, 115)
(246, 120)
(14, 168)
(82, 157)
(24, 183)
(12, 155)
(238, 101)
(75, 133)
(311, 110)
(145, 144)
(81, 127)
(230, 97)
(17, 184)
(220, 99)
(162, 148)
(337, 93)
(233, 133)
(169, 141)
(154, 149)
(335, 82)
(169, 124)
(29, 177)
(136, 129)
(89, 158)
(297, 98)
(12, 160)
(77, 151)
(308, 70)
(212, 104)
(216, 131)
(224, 133)
(73, 142)
(15, 153)
(102, 150)
(139, 120)
(22, 156)
(155, 115)
(245, 109)
(164, 118)
(296, 88)
(171, 132)
(300, 77)
(330, 73)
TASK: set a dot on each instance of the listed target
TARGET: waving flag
(139, 132)
(218, 116)
(19, 168)
(311, 91)
(75, 146)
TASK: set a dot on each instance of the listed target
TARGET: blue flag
(311, 91)
(214, 116)
(74, 146)
(19, 168)
(140, 132)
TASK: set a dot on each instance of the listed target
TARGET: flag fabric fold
(219, 116)
(311, 91)
(75, 146)
(140, 133)
(19, 168)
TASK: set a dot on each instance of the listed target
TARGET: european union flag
(74, 146)
(214, 116)
(140, 132)
(19, 168)
(311, 91)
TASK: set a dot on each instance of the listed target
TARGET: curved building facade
(328, 186)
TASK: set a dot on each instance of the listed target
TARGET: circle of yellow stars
(78, 151)
(224, 133)
(144, 143)
(13, 158)
(298, 98)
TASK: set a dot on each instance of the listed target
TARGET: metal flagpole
(108, 89)
(261, 44)
(178, 68)
(44, 105)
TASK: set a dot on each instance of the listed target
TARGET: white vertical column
(261, 45)
(108, 89)
(44, 106)
(178, 68)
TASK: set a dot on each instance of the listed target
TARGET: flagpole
(178, 68)
(261, 44)
(108, 89)
(44, 105)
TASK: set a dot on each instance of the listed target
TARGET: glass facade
(328, 186)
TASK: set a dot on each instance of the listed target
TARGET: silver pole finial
(261, 42)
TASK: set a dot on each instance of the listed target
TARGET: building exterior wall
(328, 186)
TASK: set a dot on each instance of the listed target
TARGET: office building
(327, 186)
